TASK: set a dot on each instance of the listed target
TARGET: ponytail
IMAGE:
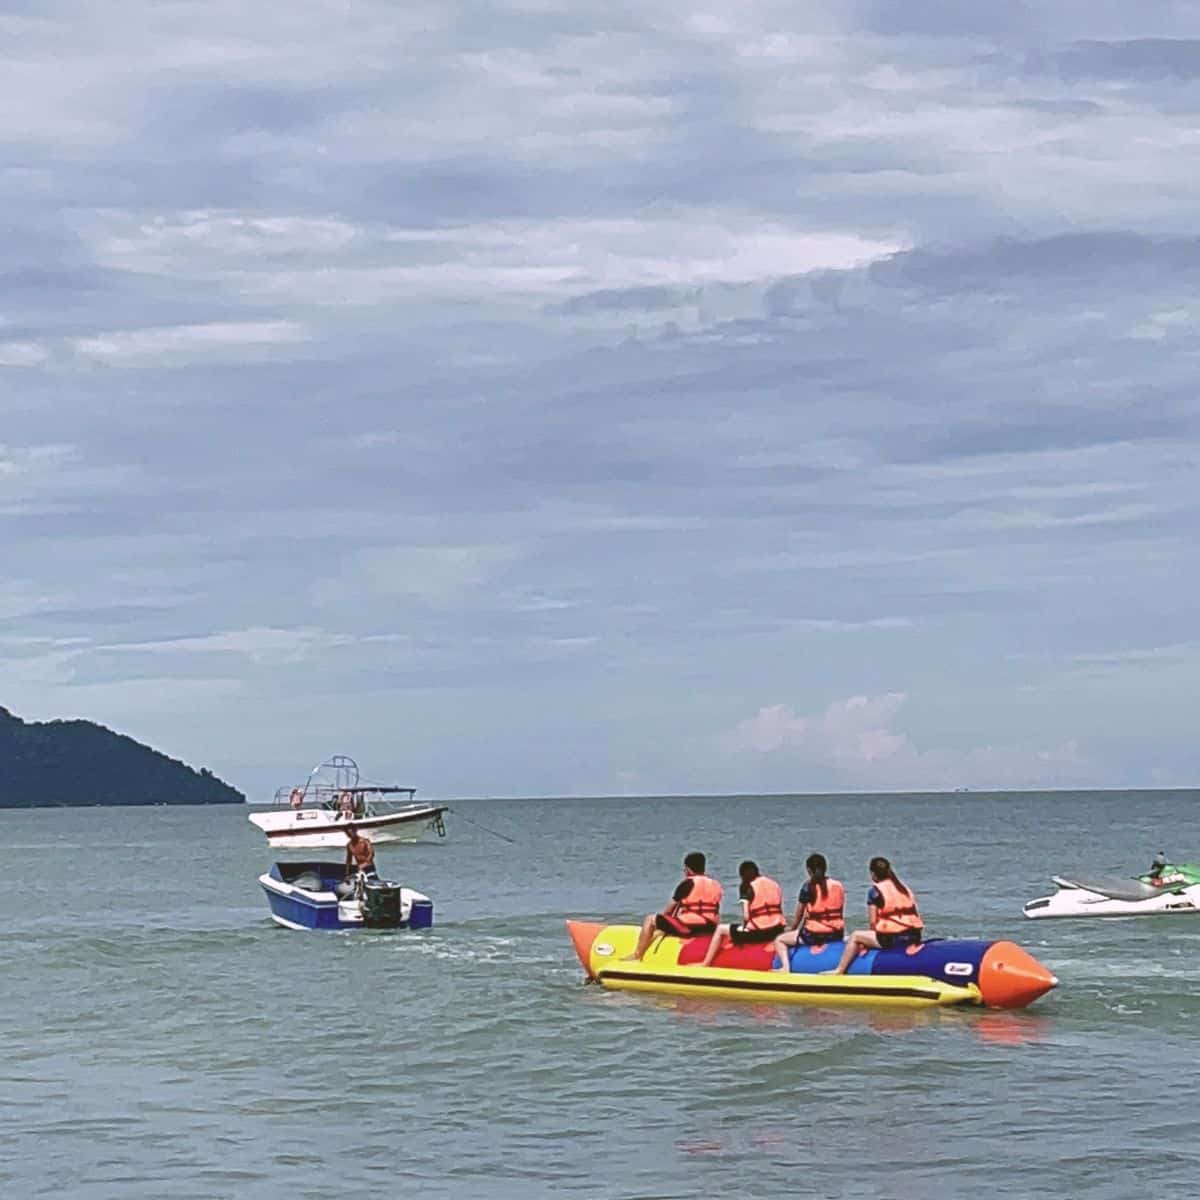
(882, 869)
(817, 866)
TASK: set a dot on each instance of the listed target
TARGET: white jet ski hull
(1074, 900)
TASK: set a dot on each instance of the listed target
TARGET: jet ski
(1165, 888)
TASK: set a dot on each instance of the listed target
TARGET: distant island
(67, 764)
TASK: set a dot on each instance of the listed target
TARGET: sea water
(160, 1037)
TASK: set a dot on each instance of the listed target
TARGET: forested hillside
(65, 763)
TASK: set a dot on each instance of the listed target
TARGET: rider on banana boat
(892, 912)
(819, 917)
(762, 913)
(693, 911)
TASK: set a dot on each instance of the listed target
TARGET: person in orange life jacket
(693, 911)
(818, 918)
(762, 913)
(360, 854)
(892, 911)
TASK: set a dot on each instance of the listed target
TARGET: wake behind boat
(1165, 889)
(316, 814)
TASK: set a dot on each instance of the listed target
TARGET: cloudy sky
(543, 397)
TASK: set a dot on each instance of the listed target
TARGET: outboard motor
(381, 904)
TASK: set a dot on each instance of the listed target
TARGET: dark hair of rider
(695, 862)
(882, 869)
(748, 871)
(817, 866)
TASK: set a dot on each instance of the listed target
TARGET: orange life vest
(766, 907)
(702, 905)
(898, 913)
(826, 914)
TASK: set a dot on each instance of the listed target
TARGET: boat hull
(319, 829)
(937, 973)
(1074, 901)
(302, 896)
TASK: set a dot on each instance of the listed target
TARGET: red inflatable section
(744, 958)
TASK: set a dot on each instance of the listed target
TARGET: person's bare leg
(783, 944)
(715, 944)
(644, 940)
(856, 943)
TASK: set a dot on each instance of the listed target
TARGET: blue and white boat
(317, 895)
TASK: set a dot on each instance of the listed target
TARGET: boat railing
(359, 801)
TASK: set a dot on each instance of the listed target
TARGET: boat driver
(360, 854)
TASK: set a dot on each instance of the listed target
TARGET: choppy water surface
(160, 1037)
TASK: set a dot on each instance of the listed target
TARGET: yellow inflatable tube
(601, 949)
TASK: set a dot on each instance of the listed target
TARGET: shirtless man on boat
(360, 854)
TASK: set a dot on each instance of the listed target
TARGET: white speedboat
(1166, 889)
(316, 814)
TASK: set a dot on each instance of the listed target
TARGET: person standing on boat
(360, 854)
(892, 912)
(762, 913)
(819, 918)
(693, 911)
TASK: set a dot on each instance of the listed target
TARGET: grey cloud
(638, 299)
(448, 192)
(1145, 59)
(1060, 431)
(945, 18)
(1070, 108)
(1072, 259)
(195, 117)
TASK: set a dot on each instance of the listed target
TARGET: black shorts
(888, 941)
(752, 937)
(820, 939)
(679, 929)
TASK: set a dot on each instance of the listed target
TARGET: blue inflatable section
(950, 961)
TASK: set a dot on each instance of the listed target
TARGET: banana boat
(992, 974)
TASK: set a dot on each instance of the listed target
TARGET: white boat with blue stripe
(318, 895)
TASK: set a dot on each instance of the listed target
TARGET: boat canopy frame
(335, 778)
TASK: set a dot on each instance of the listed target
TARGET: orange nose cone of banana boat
(1011, 978)
(583, 934)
